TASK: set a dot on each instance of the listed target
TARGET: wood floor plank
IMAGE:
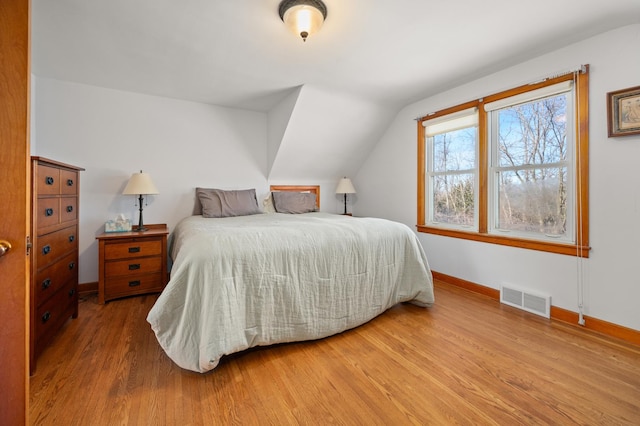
(466, 360)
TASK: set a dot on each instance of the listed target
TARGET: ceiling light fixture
(303, 17)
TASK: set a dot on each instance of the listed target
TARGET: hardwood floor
(467, 360)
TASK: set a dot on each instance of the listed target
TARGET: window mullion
(482, 170)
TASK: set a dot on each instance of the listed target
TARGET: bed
(254, 280)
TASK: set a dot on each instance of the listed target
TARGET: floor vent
(525, 300)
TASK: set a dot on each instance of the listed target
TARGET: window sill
(566, 249)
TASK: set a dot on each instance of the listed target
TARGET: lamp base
(140, 227)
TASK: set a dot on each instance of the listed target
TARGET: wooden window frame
(581, 246)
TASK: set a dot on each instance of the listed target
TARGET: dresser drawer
(68, 209)
(53, 246)
(47, 212)
(133, 248)
(54, 211)
(54, 312)
(49, 280)
(68, 182)
(48, 180)
(130, 285)
(131, 267)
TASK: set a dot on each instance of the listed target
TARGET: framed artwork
(623, 110)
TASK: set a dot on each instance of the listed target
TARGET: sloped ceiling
(370, 58)
(328, 134)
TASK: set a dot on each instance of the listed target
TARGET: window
(452, 142)
(510, 168)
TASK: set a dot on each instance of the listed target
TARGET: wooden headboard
(315, 189)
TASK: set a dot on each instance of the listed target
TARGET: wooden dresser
(132, 262)
(54, 259)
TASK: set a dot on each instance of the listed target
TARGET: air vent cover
(526, 300)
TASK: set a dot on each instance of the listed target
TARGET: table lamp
(345, 187)
(140, 184)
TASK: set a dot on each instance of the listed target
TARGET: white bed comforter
(241, 282)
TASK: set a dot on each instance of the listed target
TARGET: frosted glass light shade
(345, 187)
(140, 184)
(303, 17)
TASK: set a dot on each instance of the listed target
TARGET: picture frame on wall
(623, 111)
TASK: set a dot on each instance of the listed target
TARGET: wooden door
(14, 213)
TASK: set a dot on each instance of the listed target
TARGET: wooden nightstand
(132, 263)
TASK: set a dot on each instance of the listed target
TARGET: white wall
(387, 186)
(181, 144)
(113, 134)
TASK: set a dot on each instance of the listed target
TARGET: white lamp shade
(345, 187)
(140, 184)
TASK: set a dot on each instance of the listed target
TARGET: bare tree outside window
(454, 158)
(532, 167)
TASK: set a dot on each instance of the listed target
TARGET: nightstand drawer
(130, 267)
(133, 248)
(127, 286)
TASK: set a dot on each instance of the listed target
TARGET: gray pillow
(294, 202)
(221, 203)
(208, 197)
(239, 203)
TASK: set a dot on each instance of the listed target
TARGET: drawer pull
(48, 180)
(134, 283)
(72, 238)
(48, 212)
(46, 316)
(69, 209)
(134, 266)
(46, 249)
(72, 265)
(69, 182)
(134, 249)
(46, 284)
(72, 292)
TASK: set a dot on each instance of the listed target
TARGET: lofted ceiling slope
(328, 134)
